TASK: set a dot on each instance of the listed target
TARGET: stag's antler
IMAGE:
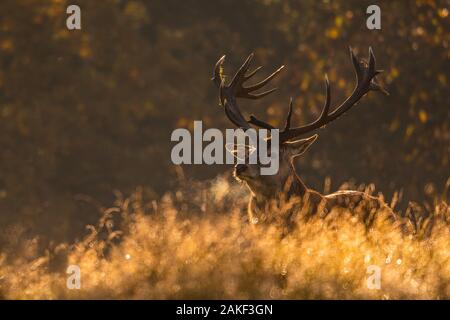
(236, 89)
(365, 82)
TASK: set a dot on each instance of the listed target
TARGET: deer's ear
(298, 147)
(240, 151)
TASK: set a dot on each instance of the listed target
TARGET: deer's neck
(294, 187)
(291, 186)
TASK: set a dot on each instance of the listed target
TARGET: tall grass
(195, 243)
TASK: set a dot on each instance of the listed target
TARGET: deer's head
(270, 185)
(291, 143)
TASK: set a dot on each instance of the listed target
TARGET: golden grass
(196, 244)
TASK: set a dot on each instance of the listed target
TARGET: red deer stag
(286, 184)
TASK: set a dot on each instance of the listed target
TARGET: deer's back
(360, 203)
(351, 199)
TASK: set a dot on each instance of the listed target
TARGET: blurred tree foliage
(84, 113)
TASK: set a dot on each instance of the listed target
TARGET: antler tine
(288, 134)
(365, 82)
(251, 74)
(239, 77)
(356, 65)
(247, 92)
(256, 96)
(262, 83)
(217, 77)
(371, 61)
(287, 126)
(327, 104)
